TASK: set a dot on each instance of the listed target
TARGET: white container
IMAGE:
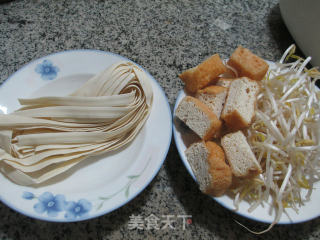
(302, 18)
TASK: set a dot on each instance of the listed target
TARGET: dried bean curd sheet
(285, 139)
(49, 135)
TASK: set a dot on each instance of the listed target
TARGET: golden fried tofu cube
(248, 64)
(204, 74)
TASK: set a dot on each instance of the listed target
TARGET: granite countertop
(165, 37)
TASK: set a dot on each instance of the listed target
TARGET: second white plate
(184, 137)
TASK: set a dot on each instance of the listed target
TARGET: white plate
(184, 137)
(98, 185)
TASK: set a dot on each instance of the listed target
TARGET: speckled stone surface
(165, 37)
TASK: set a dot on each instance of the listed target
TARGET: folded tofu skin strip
(49, 135)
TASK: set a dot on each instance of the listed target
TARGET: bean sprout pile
(285, 138)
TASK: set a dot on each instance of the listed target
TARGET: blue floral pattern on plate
(54, 204)
(50, 204)
(47, 70)
(77, 209)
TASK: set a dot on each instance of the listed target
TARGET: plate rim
(218, 199)
(144, 186)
